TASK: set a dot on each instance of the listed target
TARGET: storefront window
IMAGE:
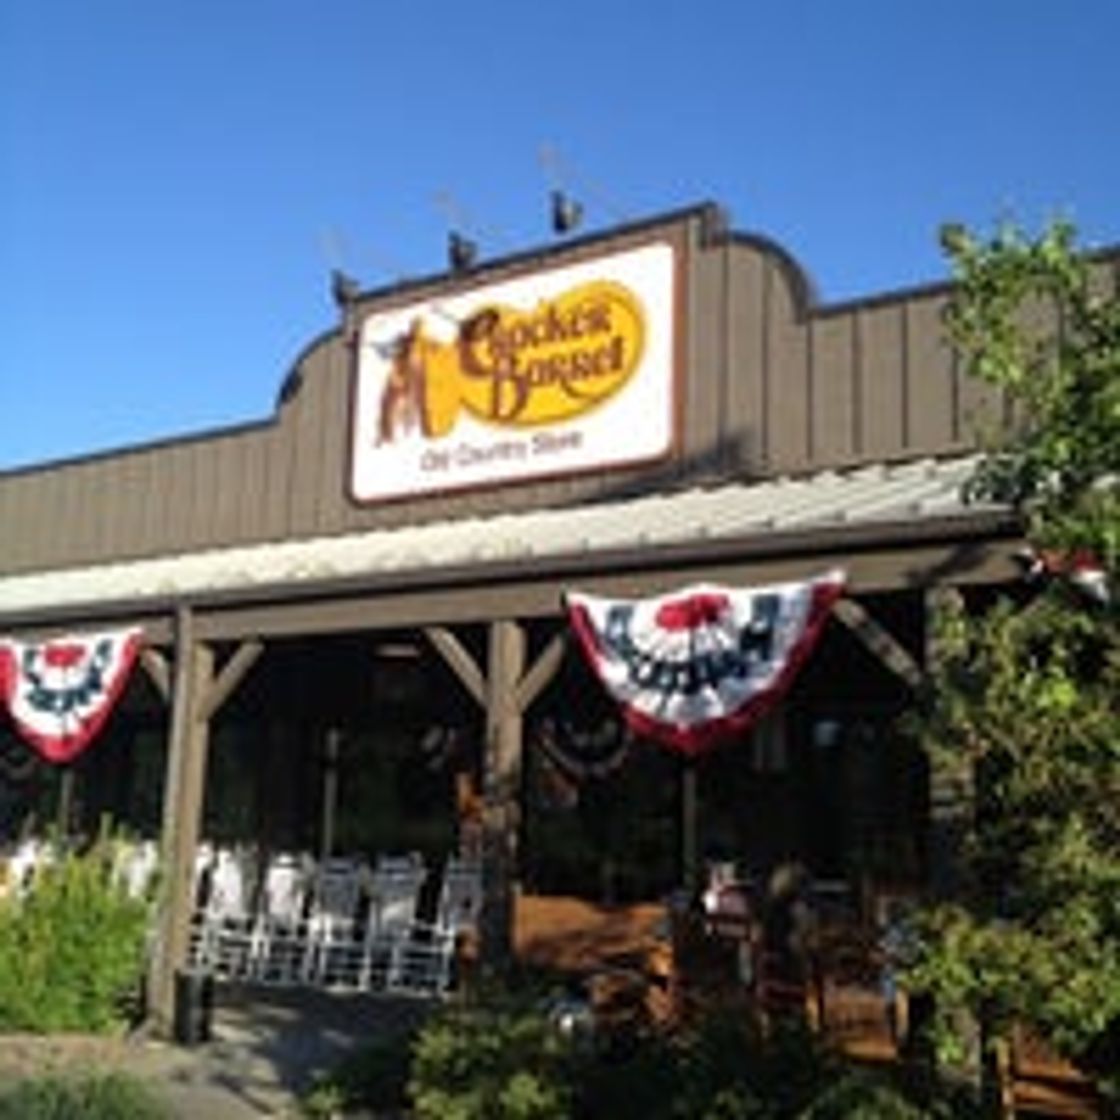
(602, 814)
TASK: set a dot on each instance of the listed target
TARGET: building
(352, 613)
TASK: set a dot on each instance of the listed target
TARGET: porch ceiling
(911, 500)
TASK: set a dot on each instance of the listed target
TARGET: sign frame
(619, 417)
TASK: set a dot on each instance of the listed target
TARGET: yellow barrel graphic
(512, 367)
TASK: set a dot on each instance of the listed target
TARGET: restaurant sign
(565, 370)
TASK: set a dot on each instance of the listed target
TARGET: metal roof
(915, 492)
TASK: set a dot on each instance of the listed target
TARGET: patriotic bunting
(699, 665)
(60, 692)
(1080, 568)
(582, 754)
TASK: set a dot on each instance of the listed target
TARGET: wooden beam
(543, 670)
(182, 810)
(879, 641)
(503, 716)
(537, 594)
(951, 790)
(229, 677)
(501, 792)
(156, 665)
(459, 660)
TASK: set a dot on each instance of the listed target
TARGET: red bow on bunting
(697, 666)
(60, 692)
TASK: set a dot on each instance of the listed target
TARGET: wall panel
(745, 324)
(787, 378)
(931, 386)
(177, 484)
(229, 474)
(279, 461)
(882, 341)
(23, 525)
(832, 389)
(154, 501)
(704, 380)
(307, 433)
(334, 460)
(769, 385)
(249, 484)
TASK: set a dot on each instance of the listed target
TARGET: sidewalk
(267, 1046)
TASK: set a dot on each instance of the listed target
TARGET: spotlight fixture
(566, 213)
(461, 252)
(344, 288)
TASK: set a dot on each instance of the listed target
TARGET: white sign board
(561, 371)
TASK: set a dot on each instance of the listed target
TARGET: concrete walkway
(267, 1046)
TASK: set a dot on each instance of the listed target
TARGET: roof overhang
(889, 525)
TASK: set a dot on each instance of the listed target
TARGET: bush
(624, 1075)
(72, 951)
(374, 1078)
(502, 1062)
(860, 1096)
(507, 1060)
(721, 1068)
(106, 1097)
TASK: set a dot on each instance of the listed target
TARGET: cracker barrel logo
(515, 368)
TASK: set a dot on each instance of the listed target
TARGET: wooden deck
(571, 935)
(634, 962)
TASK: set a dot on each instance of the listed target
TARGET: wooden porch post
(505, 693)
(950, 789)
(197, 695)
(182, 809)
(501, 791)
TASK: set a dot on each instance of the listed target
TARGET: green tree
(1024, 703)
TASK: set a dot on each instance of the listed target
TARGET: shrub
(506, 1059)
(501, 1062)
(114, 1096)
(860, 1096)
(720, 1068)
(374, 1078)
(633, 1075)
(72, 950)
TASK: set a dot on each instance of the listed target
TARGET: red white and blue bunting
(702, 664)
(1080, 569)
(60, 692)
(582, 753)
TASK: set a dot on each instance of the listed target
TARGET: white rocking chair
(279, 943)
(394, 899)
(226, 934)
(334, 923)
(424, 963)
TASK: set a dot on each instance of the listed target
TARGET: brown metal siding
(837, 386)
(929, 379)
(787, 374)
(832, 389)
(19, 540)
(334, 458)
(249, 492)
(770, 383)
(882, 335)
(307, 485)
(743, 316)
(278, 466)
(705, 374)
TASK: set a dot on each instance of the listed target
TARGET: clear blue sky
(177, 178)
